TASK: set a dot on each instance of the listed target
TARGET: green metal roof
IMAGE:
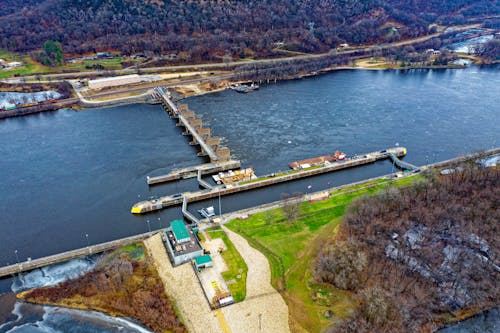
(202, 260)
(179, 229)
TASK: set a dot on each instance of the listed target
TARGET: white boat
(207, 212)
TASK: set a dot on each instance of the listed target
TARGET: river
(68, 174)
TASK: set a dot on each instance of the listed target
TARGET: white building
(14, 64)
(114, 81)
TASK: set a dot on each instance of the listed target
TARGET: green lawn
(236, 275)
(30, 66)
(134, 252)
(110, 64)
(291, 247)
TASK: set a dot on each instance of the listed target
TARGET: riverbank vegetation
(236, 274)
(418, 256)
(290, 243)
(490, 51)
(124, 283)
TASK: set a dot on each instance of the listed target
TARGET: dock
(192, 172)
(193, 125)
(263, 181)
(65, 256)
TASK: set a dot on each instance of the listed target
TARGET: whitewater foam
(51, 275)
(62, 320)
(17, 312)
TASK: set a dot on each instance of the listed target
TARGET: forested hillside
(206, 30)
(419, 256)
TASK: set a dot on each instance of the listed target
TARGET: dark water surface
(66, 174)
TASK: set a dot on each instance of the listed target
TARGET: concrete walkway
(263, 309)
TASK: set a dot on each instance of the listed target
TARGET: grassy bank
(236, 275)
(290, 247)
(88, 65)
(29, 65)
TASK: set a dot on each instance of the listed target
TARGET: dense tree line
(206, 30)
(412, 255)
(489, 51)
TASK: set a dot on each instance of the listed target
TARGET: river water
(67, 174)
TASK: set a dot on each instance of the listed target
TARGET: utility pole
(220, 209)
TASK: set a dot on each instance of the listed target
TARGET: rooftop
(115, 78)
(187, 247)
(202, 260)
(179, 229)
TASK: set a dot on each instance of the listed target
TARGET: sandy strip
(182, 285)
(263, 309)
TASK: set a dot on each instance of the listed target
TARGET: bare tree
(291, 205)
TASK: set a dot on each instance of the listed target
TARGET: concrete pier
(268, 180)
(191, 172)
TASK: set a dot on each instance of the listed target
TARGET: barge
(318, 161)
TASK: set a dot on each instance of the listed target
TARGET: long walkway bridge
(402, 164)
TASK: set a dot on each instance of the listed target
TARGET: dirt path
(263, 309)
(182, 285)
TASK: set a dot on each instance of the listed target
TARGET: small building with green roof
(203, 261)
(181, 243)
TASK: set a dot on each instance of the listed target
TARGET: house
(104, 55)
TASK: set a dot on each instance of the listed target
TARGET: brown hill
(206, 30)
